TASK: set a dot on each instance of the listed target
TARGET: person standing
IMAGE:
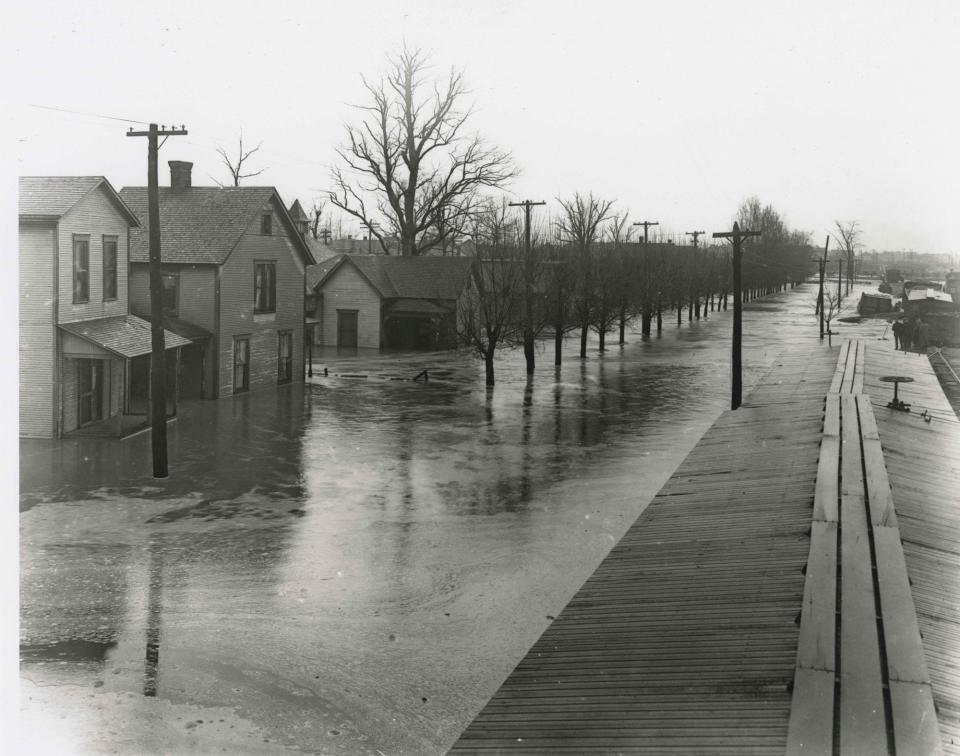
(924, 330)
(897, 327)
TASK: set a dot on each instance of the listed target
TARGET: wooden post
(737, 369)
(823, 265)
(158, 377)
(528, 345)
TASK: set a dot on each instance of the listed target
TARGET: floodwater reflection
(354, 565)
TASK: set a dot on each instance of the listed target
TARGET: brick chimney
(180, 174)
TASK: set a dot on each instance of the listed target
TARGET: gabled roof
(401, 277)
(202, 224)
(51, 197)
(296, 212)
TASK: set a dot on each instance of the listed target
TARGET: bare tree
(580, 226)
(832, 306)
(315, 214)
(848, 237)
(410, 163)
(489, 310)
(236, 166)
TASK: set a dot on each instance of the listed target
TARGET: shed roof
(401, 277)
(414, 307)
(202, 224)
(124, 335)
(51, 197)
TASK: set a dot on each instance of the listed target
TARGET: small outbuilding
(387, 302)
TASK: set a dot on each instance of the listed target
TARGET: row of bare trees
(586, 274)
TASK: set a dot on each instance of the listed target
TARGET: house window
(241, 365)
(285, 357)
(265, 287)
(169, 292)
(266, 224)
(109, 268)
(81, 269)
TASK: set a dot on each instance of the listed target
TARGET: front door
(89, 391)
(347, 328)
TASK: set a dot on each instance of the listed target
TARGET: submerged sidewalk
(686, 637)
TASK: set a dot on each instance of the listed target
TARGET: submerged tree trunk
(528, 352)
(557, 343)
(645, 320)
(583, 340)
(623, 324)
(488, 366)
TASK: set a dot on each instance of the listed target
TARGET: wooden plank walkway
(684, 640)
(861, 684)
(923, 466)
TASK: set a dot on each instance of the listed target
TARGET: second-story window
(266, 224)
(81, 268)
(109, 268)
(265, 287)
(169, 286)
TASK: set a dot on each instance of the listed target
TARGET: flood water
(353, 566)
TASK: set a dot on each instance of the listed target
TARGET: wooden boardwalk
(923, 466)
(684, 640)
(689, 636)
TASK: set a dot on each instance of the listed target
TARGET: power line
(83, 113)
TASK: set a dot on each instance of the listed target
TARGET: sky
(678, 111)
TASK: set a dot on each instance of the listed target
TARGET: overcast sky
(677, 110)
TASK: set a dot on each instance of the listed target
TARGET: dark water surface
(352, 566)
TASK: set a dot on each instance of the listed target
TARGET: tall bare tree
(489, 310)
(579, 226)
(235, 166)
(848, 237)
(315, 214)
(410, 164)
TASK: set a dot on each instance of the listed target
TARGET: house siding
(236, 306)
(346, 289)
(196, 301)
(38, 337)
(95, 215)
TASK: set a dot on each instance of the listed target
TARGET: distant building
(378, 301)
(234, 263)
(79, 344)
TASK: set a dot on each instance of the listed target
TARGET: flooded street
(352, 566)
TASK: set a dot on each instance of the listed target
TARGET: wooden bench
(861, 682)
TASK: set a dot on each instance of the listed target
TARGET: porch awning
(180, 327)
(124, 335)
(414, 307)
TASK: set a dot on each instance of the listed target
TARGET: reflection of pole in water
(154, 610)
(525, 441)
(584, 401)
(557, 394)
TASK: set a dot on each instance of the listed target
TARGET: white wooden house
(77, 336)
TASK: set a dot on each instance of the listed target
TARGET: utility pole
(823, 270)
(840, 283)
(158, 368)
(528, 346)
(647, 314)
(646, 225)
(737, 235)
(694, 292)
(370, 236)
